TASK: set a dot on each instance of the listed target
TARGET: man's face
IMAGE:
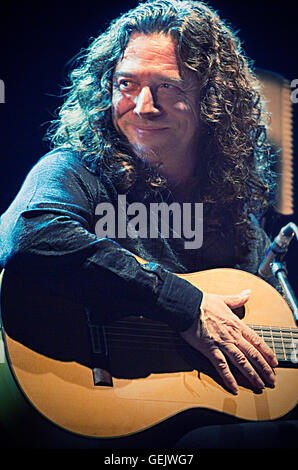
(155, 107)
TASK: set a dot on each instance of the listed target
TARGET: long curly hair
(235, 176)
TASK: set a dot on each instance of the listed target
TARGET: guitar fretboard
(146, 334)
(283, 341)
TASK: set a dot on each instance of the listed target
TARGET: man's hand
(220, 334)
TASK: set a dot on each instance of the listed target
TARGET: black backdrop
(39, 38)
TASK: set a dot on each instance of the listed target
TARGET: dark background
(37, 39)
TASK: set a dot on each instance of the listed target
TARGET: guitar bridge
(102, 377)
(101, 371)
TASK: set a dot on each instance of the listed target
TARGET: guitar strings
(279, 333)
(165, 334)
(276, 341)
(280, 339)
(145, 323)
(130, 327)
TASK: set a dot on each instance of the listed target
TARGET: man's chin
(150, 155)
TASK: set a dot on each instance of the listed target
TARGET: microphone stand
(280, 272)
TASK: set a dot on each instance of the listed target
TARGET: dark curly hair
(235, 175)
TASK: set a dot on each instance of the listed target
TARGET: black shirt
(49, 232)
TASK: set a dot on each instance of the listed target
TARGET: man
(163, 106)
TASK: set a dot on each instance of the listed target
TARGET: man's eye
(126, 85)
(169, 87)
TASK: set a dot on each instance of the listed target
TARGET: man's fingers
(236, 301)
(258, 361)
(240, 360)
(218, 360)
(253, 338)
(246, 359)
(222, 337)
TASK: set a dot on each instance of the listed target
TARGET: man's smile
(149, 130)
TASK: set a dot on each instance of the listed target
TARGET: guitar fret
(294, 346)
(272, 339)
(283, 346)
(283, 341)
(261, 333)
(274, 329)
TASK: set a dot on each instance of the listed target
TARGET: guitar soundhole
(240, 312)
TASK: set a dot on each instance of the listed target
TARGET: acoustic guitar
(149, 374)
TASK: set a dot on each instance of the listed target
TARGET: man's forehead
(155, 48)
(154, 54)
(141, 41)
(147, 54)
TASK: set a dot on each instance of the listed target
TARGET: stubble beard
(149, 156)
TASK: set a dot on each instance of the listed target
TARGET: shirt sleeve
(47, 233)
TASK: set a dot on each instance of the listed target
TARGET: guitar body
(155, 376)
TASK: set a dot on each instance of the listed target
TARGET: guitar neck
(142, 333)
(283, 341)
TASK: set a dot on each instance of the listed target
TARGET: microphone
(278, 248)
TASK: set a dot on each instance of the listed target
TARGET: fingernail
(246, 292)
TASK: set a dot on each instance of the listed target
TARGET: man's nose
(145, 104)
